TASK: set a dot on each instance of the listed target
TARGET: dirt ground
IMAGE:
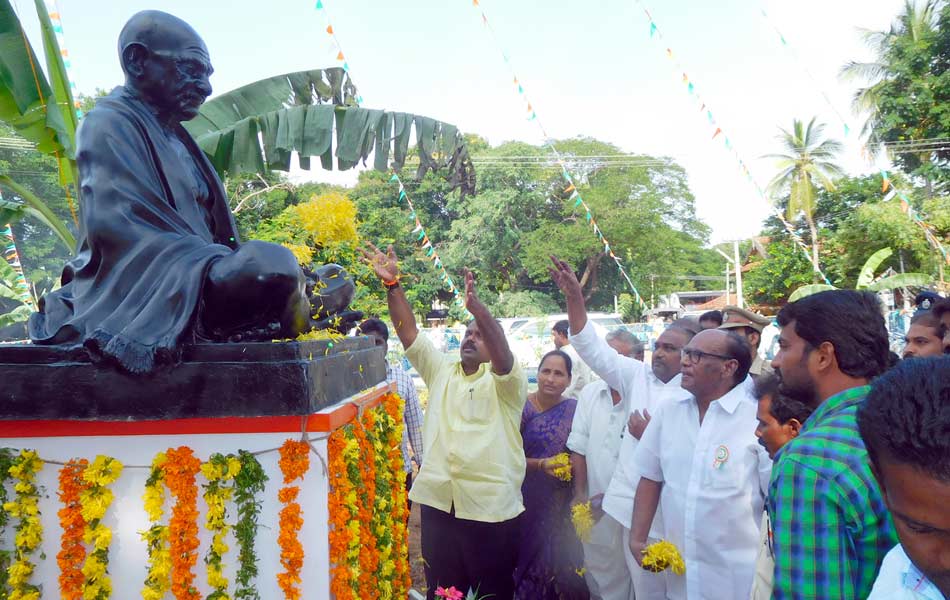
(415, 551)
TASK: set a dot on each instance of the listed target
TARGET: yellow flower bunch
(220, 471)
(328, 218)
(95, 500)
(158, 578)
(583, 520)
(563, 469)
(29, 530)
(663, 555)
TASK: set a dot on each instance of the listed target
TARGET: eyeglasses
(695, 356)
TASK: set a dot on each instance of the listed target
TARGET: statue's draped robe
(147, 240)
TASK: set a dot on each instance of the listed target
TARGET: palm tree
(915, 22)
(808, 162)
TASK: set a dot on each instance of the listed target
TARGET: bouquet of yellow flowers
(663, 555)
(583, 520)
(562, 470)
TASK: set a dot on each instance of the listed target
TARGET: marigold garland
(294, 463)
(367, 504)
(158, 578)
(583, 520)
(220, 471)
(180, 470)
(96, 499)
(6, 461)
(29, 530)
(248, 484)
(663, 555)
(72, 553)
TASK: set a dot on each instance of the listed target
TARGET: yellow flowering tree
(321, 230)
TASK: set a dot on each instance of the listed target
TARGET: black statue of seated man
(160, 263)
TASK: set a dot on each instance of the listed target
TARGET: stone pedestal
(222, 398)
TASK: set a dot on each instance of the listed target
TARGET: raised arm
(387, 269)
(617, 370)
(492, 334)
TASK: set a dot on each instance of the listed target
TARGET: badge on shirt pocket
(721, 473)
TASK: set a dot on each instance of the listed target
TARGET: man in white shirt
(904, 423)
(581, 374)
(594, 442)
(702, 454)
(643, 390)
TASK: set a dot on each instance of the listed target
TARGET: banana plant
(41, 110)
(8, 291)
(866, 280)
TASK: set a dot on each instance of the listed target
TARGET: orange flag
(340, 56)
(330, 29)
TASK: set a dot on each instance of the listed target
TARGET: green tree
(906, 91)
(771, 281)
(808, 162)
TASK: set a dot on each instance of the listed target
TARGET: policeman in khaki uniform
(749, 325)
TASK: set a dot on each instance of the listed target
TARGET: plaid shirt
(412, 415)
(831, 528)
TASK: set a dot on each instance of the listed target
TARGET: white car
(532, 340)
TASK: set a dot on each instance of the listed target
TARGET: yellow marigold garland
(367, 505)
(96, 499)
(29, 530)
(294, 463)
(220, 471)
(72, 553)
(663, 555)
(158, 578)
(583, 520)
(7, 456)
(562, 470)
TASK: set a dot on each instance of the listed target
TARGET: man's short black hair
(562, 327)
(906, 417)
(851, 321)
(562, 354)
(370, 326)
(738, 348)
(940, 308)
(783, 408)
(926, 318)
(712, 315)
(688, 326)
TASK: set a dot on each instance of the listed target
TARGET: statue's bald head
(158, 31)
(166, 63)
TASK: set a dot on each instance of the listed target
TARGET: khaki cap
(733, 317)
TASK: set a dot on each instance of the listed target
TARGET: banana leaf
(17, 315)
(870, 266)
(37, 208)
(808, 290)
(256, 128)
(11, 212)
(27, 102)
(899, 281)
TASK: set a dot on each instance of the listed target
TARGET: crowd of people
(824, 474)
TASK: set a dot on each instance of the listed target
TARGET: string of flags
(716, 127)
(571, 188)
(12, 256)
(814, 80)
(908, 210)
(422, 237)
(53, 11)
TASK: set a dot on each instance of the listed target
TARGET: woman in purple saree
(551, 557)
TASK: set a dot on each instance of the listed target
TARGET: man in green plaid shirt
(831, 527)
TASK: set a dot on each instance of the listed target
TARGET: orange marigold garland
(367, 505)
(181, 467)
(72, 553)
(294, 463)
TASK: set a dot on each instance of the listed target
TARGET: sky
(590, 68)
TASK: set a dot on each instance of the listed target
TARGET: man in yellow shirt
(469, 487)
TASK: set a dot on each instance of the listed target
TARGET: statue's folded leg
(259, 291)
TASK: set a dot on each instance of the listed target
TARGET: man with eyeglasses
(644, 391)
(700, 459)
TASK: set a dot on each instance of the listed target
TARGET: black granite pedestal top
(213, 380)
